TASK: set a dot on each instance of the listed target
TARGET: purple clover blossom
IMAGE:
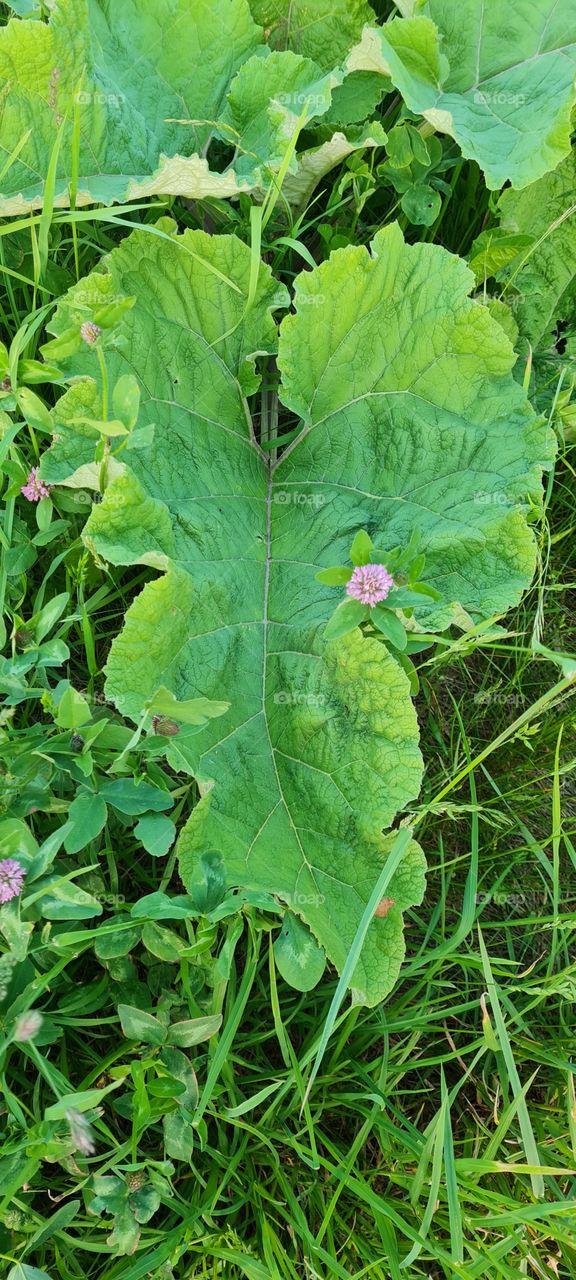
(35, 488)
(370, 583)
(11, 879)
(90, 332)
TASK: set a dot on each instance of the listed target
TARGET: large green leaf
(325, 31)
(319, 749)
(126, 102)
(541, 289)
(412, 421)
(126, 70)
(498, 78)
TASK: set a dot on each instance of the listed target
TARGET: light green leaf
(196, 711)
(427, 430)
(348, 615)
(23, 1271)
(126, 400)
(421, 204)
(299, 958)
(194, 1030)
(137, 80)
(390, 626)
(162, 943)
(500, 80)
(320, 29)
(287, 796)
(64, 900)
(88, 815)
(267, 99)
(543, 276)
(134, 797)
(84, 1100)
(337, 576)
(316, 162)
(361, 548)
(73, 710)
(137, 1024)
(157, 833)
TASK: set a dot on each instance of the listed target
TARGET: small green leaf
(162, 943)
(84, 1100)
(73, 710)
(22, 1271)
(126, 400)
(207, 882)
(111, 427)
(345, 618)
(336, 577)
(158, 906)
(194, 1030)
(34, 410)
(87, 813)
(117, 943)
(108, 316)
(157, 833)
(299, 958)
(139, 1025)
(193, 711)
(421, 204)
(44, 512)
(390, 626)
(178, 1135)
(63, 900)
(361, 548)
(61, 348)
(134, 798)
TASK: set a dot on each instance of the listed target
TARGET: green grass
(438, 1137)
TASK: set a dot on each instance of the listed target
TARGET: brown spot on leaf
(384, 906)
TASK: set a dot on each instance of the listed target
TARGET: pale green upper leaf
(273, 95)
(323, 30)
(542, 287)
(127, 69)
(318, 750)
(413, 421)
(499, 78)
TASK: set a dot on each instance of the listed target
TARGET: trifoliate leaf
(497, 78)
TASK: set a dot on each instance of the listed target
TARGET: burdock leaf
(498, 78)
(319, 749)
